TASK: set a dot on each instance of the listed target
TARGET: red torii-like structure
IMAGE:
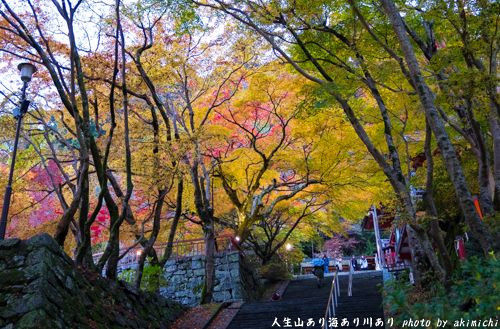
(418, 160)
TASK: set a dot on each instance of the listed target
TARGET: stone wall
(234, 280)
(40, 287)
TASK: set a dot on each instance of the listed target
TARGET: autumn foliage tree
(173, 122)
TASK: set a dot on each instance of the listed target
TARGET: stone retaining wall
(40, 287)
(234, 280)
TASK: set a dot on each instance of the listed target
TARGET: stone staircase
(304, 300)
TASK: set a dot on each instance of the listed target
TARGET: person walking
(353, 262)
(339, 263)
(326, 264)
(319, 267)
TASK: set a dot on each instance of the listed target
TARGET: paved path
(303, 300)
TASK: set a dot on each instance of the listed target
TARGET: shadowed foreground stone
(40, 287)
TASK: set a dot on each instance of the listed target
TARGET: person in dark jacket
(327, 262)
(353, 262)
(318, 271)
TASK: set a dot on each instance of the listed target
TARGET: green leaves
(475, 295)
(152, 277)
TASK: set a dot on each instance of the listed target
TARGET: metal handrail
(180, 249)
(351, 273)
(332, 299)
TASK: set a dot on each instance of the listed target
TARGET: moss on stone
(35, 319)
(46, 290)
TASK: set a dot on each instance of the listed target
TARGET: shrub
(475, 295)
(274, 272)
(152, 278)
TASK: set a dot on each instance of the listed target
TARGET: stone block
(236, 279)
(67, 317)
(9, 244)
(35, 319)
(41, 254)
(234, 273)
(69, 284)
(196, 264)
(12, 276)
(233, 256)
(233, 266)
(35, 271)
(7, 312)
(170, 262)
(221, 296)
(199, 272)
(185, 265)
(171, 289)
(236, 294)
(36, 301)
(42, 240)
(171, 268)
(17, 261)
(180, 294)
(196, 289)
(175, 280)
(121, 321)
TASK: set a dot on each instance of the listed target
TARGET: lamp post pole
(26, 77)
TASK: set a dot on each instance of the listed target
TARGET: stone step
(304, 300)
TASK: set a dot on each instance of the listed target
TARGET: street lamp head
(288, 247)
(237, 239)
(27, 71)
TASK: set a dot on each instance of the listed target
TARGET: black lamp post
(27, 71)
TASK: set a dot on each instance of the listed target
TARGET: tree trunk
(431, 207)
(444, 143)
(397, 181)
(63, 225)
(175, 221)
(208, 227)
(429, 251)
(418, 255)
(495, 132)
(483, 162)
(152, 239)
(112, 265)
(205, 213)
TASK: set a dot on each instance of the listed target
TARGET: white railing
(377, 263)
(332, 300)
(351, 273)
